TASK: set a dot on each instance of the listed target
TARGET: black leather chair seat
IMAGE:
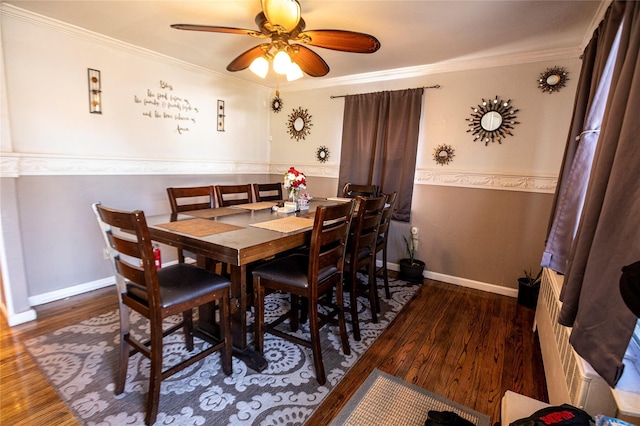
(291, 270)
(180, 283)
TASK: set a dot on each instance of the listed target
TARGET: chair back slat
(191, 198)
(365, 227)
(127, 236)
(268, 191)
(353, 190)
(387, 212)
(329, 237)
(231, 195)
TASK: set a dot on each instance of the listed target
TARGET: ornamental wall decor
(276, 103)
(443, 154)
(553, 79)
(492, 120)
(299, 125)
(322, 154)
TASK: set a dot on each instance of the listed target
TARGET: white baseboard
(52, 296)
(464, 282)
(19, 318)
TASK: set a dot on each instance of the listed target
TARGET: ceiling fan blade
(309, 61)
(244, 59)
(282, 13)
(345, 41)
(217, 29)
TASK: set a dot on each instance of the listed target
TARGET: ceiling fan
(281, 22)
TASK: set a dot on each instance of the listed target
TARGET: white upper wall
(47, 96)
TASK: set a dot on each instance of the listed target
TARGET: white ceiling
(413, 33)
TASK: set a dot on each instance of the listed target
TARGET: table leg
(253, 359)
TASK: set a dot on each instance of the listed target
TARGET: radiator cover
(570, 379)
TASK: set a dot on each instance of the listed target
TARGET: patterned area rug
(80, 362)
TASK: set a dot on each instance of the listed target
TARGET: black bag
(562, 415)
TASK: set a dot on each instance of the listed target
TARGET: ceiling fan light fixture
(281, 62)
(260, 66)
(294, 72)
(282, 13)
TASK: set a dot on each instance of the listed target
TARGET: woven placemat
(262, 205)
(199, 227)
(286, 224)
(209, 213)
(384, 399)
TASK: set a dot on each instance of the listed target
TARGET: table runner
(286, 224)
(199, 227)
(209, 213)
(262, 205)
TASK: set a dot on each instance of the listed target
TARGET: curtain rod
(437, 86)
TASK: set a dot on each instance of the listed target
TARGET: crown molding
(83, 33)
(458, 64)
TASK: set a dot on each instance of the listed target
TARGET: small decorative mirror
(492, 121)
(443, 154)
(299, 125)
(553, 79)
(276, 104)
(322, 154)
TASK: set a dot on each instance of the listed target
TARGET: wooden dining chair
(230, 195)
(383, 239)
(188, 199)
(268, 191)
(307, 277)
(157, 295)
(352, 190)
(361, 253)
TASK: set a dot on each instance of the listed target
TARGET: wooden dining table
(238, 236)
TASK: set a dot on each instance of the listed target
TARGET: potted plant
(528, 288)
(411, 268)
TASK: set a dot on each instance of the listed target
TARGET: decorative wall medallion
(492, 121)
(276, 103)
(553, 79)
(322, 154)
(443, 154)
(299, 124)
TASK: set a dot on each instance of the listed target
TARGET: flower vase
(293, 194)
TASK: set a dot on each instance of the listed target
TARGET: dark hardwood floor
(466, 345)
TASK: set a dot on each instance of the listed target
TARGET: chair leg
(385, 272)
(123, 350)
(258, 302)
(187, 319)
(155, 373)
(315, 342)
(294, 313)
(225, 334)
(346, 349)
(353, 294)
(373, 293)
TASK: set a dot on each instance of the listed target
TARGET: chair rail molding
(13, 165)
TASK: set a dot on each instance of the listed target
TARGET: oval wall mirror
(299, 125)
(443, 154)
(492, 120)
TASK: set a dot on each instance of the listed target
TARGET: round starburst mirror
(492, 120)
(299, 125)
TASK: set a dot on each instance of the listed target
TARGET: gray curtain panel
(380, 142)
(608, 233)
(591, 97)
